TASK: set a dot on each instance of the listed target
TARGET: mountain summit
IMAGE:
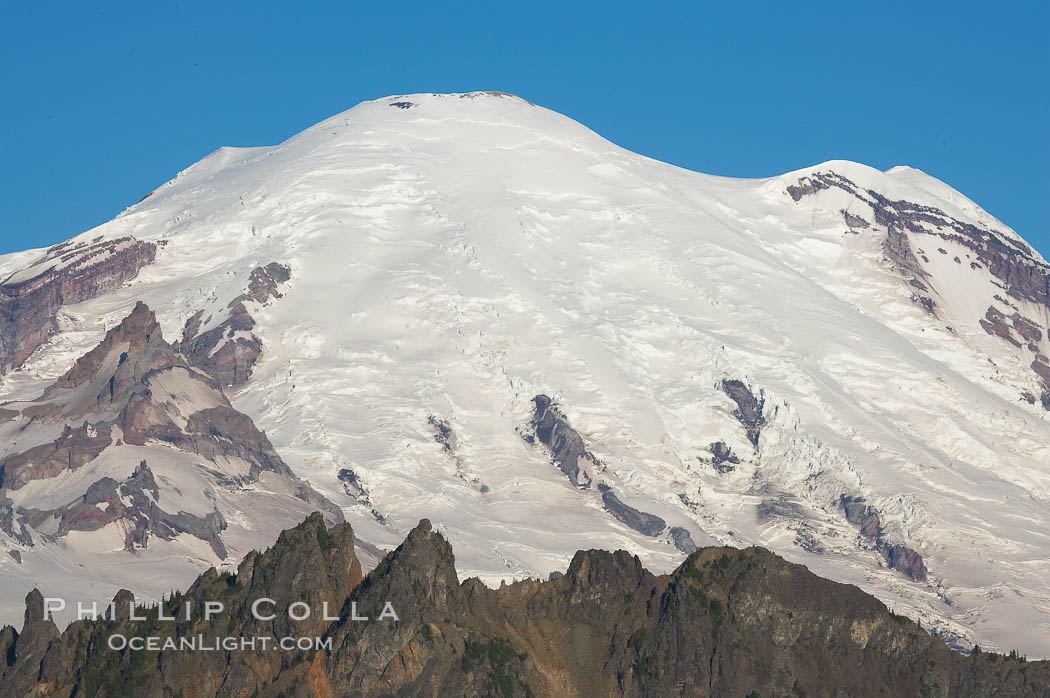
(473, 309)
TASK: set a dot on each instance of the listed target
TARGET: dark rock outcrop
(748, 408)
(140, 333)
(727, 622)
(129, 502)
(228, 351)
(223, 431)
(646, 524)
(9, 523)
(903, 559)
(994, 323)
(68, 273)
(722, 457)
(443, 433)
(862, 516)
(231, 363)
(73, 449)
(683, 540)
(356, 489)
(566, 446)
(1028, 329)
(866, 518)
(351, 483)
(783, 507)
(854, 221)
(1041, 366)
(263, 282)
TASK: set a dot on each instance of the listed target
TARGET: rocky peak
(309, 563)
(726, 622)
(601, 568)
(34, 610)
(424, 560)
(137, 328)
(32, 644)
(141, 347)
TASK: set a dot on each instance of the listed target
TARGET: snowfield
(460, 255)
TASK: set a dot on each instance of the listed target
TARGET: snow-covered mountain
(473, 309)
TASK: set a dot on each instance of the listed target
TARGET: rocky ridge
(228, 351)
(67, 273)
(725, 622)
(1021, 274)
(134, 394)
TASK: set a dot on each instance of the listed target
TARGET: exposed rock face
(353, 487)
(68, 273)
(263, 281)
(137, 335)
(866, 518)
(223, 431)
(9, 524)
(443, 433)
(862, 516)
(107, 500)
(220, 352)
(854, 221)
(351, 483)
(646, 524)
(73, 449)
(903, 559)
(1011, 262)
(570, 454)
(228, 351)
(1027, 329)
(726, 622)
(135, 385)
(1041, 366)
(1021, 332)
(722, 457)
(567, 447)
(779, 507)
(749, 408)
(994, 323)
(27, 651)
(683, 540)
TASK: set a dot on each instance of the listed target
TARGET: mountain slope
(791, 362)
(133, 465)
(725, 622)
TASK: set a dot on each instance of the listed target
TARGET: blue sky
(105, 101)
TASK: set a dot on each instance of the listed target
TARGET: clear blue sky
(104, 101)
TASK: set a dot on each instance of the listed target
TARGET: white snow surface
(460, 256)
